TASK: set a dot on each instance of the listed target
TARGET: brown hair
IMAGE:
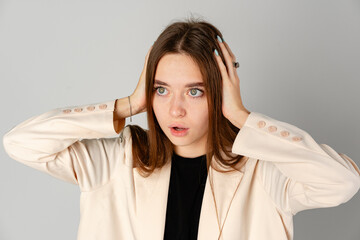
(197, 39)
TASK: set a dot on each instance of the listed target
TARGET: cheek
(200, 115)
(158, 110)
(205, 115)
(205, 119)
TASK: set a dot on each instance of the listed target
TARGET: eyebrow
(196, 84)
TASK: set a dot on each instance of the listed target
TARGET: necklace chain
(217, 215)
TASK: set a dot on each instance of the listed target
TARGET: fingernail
(219, 38)
(216, 52)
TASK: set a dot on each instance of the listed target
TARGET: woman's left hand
(232, 106)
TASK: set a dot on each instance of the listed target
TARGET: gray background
(299, 63)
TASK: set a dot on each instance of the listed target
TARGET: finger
(233, 58)
(228, 59)
(222, 67)
(229, 50)
(147, 56)
(148, 53)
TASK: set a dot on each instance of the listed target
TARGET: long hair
(197, 39)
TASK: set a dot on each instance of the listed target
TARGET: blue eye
(193, 92)
(162, 90)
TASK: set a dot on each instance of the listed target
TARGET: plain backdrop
(299, 63)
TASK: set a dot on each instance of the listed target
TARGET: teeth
(178, 129)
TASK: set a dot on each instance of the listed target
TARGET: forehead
(178, 69)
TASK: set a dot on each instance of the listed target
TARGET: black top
(186, 190)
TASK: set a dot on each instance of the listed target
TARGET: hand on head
(138, 97)
(231, 102)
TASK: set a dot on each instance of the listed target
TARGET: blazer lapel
(151, 195)
(224, 186)
(151, 202)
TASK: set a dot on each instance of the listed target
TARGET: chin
(179, 141)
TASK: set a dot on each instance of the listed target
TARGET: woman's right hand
(138, 97)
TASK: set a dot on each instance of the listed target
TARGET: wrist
(135, 109)
(240, 118)
(122, 108)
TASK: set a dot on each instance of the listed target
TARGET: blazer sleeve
(296, 171)
(69, 144)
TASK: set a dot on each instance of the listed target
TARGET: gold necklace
(217, 215)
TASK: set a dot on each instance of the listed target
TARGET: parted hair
(151, 148)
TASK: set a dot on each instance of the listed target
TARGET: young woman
(207, 168)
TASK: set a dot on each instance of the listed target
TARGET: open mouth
(179, 129)
(179, 132)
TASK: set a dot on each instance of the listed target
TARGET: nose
(177, 106)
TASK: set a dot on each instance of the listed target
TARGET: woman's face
(180, 100)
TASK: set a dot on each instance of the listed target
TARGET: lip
(179, 133)
(178, 125)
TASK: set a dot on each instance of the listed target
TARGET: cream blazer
(286, 172)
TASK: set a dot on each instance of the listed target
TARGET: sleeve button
(78, 109)
(284, 133)
(66, 110)
(296, 138)
(261, 124)
(272, 128)
(103, 106)
(90, 108)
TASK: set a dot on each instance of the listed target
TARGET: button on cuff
(296, 138)
(272, 129)
(284, 133)
(261, 124)
(90, 108)
(103, 106)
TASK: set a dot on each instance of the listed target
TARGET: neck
(188, 153)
